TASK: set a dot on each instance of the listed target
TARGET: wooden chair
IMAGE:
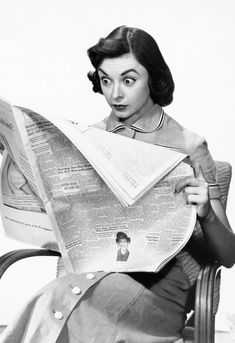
(204, 297)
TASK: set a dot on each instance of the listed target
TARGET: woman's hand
(197, 190)
(218, 234)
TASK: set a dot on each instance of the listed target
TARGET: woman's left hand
(214, 223)
(197, 190)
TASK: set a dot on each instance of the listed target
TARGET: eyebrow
(128, 71)
(123, 73)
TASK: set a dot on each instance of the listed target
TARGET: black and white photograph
(116, 181)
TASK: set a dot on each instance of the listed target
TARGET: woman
(134, 307)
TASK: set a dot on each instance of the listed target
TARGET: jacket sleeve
(199, 153)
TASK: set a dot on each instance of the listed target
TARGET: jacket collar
(151, 121)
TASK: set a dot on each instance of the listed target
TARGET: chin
(122, 115)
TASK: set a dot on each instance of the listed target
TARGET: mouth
(120, 108)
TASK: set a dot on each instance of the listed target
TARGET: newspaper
(22, 211)
(93, 228)
(129, 167)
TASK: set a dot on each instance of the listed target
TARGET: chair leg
(204, 316)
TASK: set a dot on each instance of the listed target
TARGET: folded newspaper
(107, 202)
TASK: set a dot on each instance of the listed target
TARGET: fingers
(196, 190)
(198, 171)
(194, 199)
(192, 190)
(187, 181)
(190, 181)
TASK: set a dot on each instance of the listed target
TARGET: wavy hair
(123, 40)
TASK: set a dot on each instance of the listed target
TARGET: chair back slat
(190, 261)
(224, 175)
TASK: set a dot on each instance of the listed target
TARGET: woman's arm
(218, 234)
(212, 217)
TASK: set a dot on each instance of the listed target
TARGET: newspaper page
(122, 162)
(93, 229)
(23, 213)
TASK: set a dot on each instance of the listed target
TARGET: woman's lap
(121, 309)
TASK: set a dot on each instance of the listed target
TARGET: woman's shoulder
(101, 124)
(191, 144)
(175, 134)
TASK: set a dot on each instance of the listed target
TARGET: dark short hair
(124, 40)
(122, 235)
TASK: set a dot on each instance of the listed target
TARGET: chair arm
(204, 313)
(13, 256)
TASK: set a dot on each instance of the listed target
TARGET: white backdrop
(43, 66)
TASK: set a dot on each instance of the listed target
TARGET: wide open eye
(105, 81)
(129, 81)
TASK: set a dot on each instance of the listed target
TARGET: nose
(117, 93)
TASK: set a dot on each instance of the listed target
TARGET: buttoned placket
(72, 291)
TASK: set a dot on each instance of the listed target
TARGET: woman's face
(124, 83)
